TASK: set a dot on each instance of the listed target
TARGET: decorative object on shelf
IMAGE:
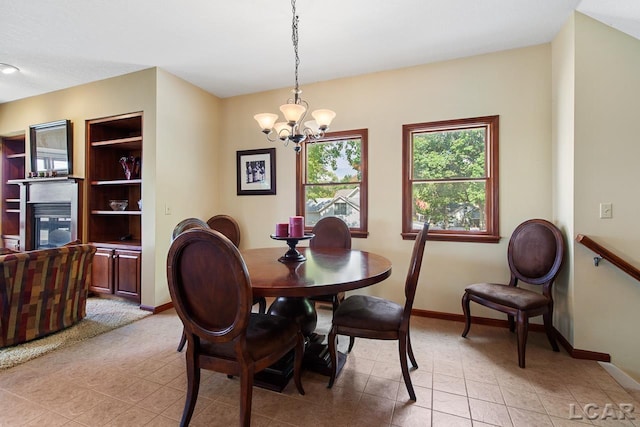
(256, 172)
(140, 204)
(292, 255)
(131, 166)
(294, 129)
(118, 205)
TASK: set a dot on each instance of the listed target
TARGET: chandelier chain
(294, 39)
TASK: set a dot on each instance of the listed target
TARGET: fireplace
(51, 224)
(49, 212)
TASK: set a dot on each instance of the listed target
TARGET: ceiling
(244, 46)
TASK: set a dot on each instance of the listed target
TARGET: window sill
(455, 237)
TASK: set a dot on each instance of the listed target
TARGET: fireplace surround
(49, 212)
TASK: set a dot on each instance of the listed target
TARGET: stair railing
(606, 254)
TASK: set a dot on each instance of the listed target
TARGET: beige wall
(187, 180)
(607, 149)
(563, 95)
(514, 84)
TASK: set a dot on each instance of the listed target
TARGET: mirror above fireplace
(51, 148)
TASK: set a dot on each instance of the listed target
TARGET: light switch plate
(606, 211)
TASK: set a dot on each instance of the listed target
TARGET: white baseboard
(620, 376)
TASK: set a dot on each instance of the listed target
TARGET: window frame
(363, 135)
(492, 233)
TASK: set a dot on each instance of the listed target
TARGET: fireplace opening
(52, 224)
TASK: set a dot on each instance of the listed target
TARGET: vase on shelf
(131, 166)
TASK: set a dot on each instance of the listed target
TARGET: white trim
(620, 376)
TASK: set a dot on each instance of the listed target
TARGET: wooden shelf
(105, 212)
(12, 211)
(132, 143)
(12, 200)
(118, 182)
(16, 156)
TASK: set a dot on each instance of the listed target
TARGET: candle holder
(292, 255)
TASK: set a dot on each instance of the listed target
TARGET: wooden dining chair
(330, 232)
(228, 226)
(371, 317)
(211, 292)
(186, 224)
(535, 255)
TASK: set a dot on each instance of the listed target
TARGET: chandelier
(294, 128)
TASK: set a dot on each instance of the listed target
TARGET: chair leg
(548, 327)
(262, 306)
(403, 346)
(297, 362)
(333, 352)
(352, 341)
(410, 352)
(467, 314)
(183, 341)
(246, 392)
(511, 322)
(193, 385)
(522, 329)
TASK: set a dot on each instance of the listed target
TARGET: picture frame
(256, 172)
(51, 148)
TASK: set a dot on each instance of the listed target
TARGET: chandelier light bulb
(266, 121)
(292, 112)
(323, 117)
(282, 130)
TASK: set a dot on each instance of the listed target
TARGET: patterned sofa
(43, 291)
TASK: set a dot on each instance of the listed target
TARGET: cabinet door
(127, 268)
(102, 271)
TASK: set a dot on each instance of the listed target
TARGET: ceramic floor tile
(408, 415)
(440, 419)
(134, 376)
(452, 404)
(491, 413)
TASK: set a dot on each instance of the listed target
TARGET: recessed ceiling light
(8, 68)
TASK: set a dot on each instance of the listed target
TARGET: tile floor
(133, 376)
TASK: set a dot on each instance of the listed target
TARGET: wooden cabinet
(13, 168)
(117, 271)
(114, 167)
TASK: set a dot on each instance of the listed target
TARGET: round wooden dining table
(325, 272)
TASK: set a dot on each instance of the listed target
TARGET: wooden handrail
(609, 256)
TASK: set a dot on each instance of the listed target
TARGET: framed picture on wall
(256, 172)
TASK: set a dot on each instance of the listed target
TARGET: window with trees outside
(332, 180)
(450, 179)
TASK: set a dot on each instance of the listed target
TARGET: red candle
(296, 226)
(282, 229)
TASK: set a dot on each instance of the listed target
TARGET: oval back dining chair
(229, 227)
(535, 255)
(377, 318)
(226, 225)
(186, 224)
(211, 292)
(330, 232)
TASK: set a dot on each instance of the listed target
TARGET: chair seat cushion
(509, 296)
(266, 334)
(367, 312)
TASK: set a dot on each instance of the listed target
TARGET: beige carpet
(102, 315)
